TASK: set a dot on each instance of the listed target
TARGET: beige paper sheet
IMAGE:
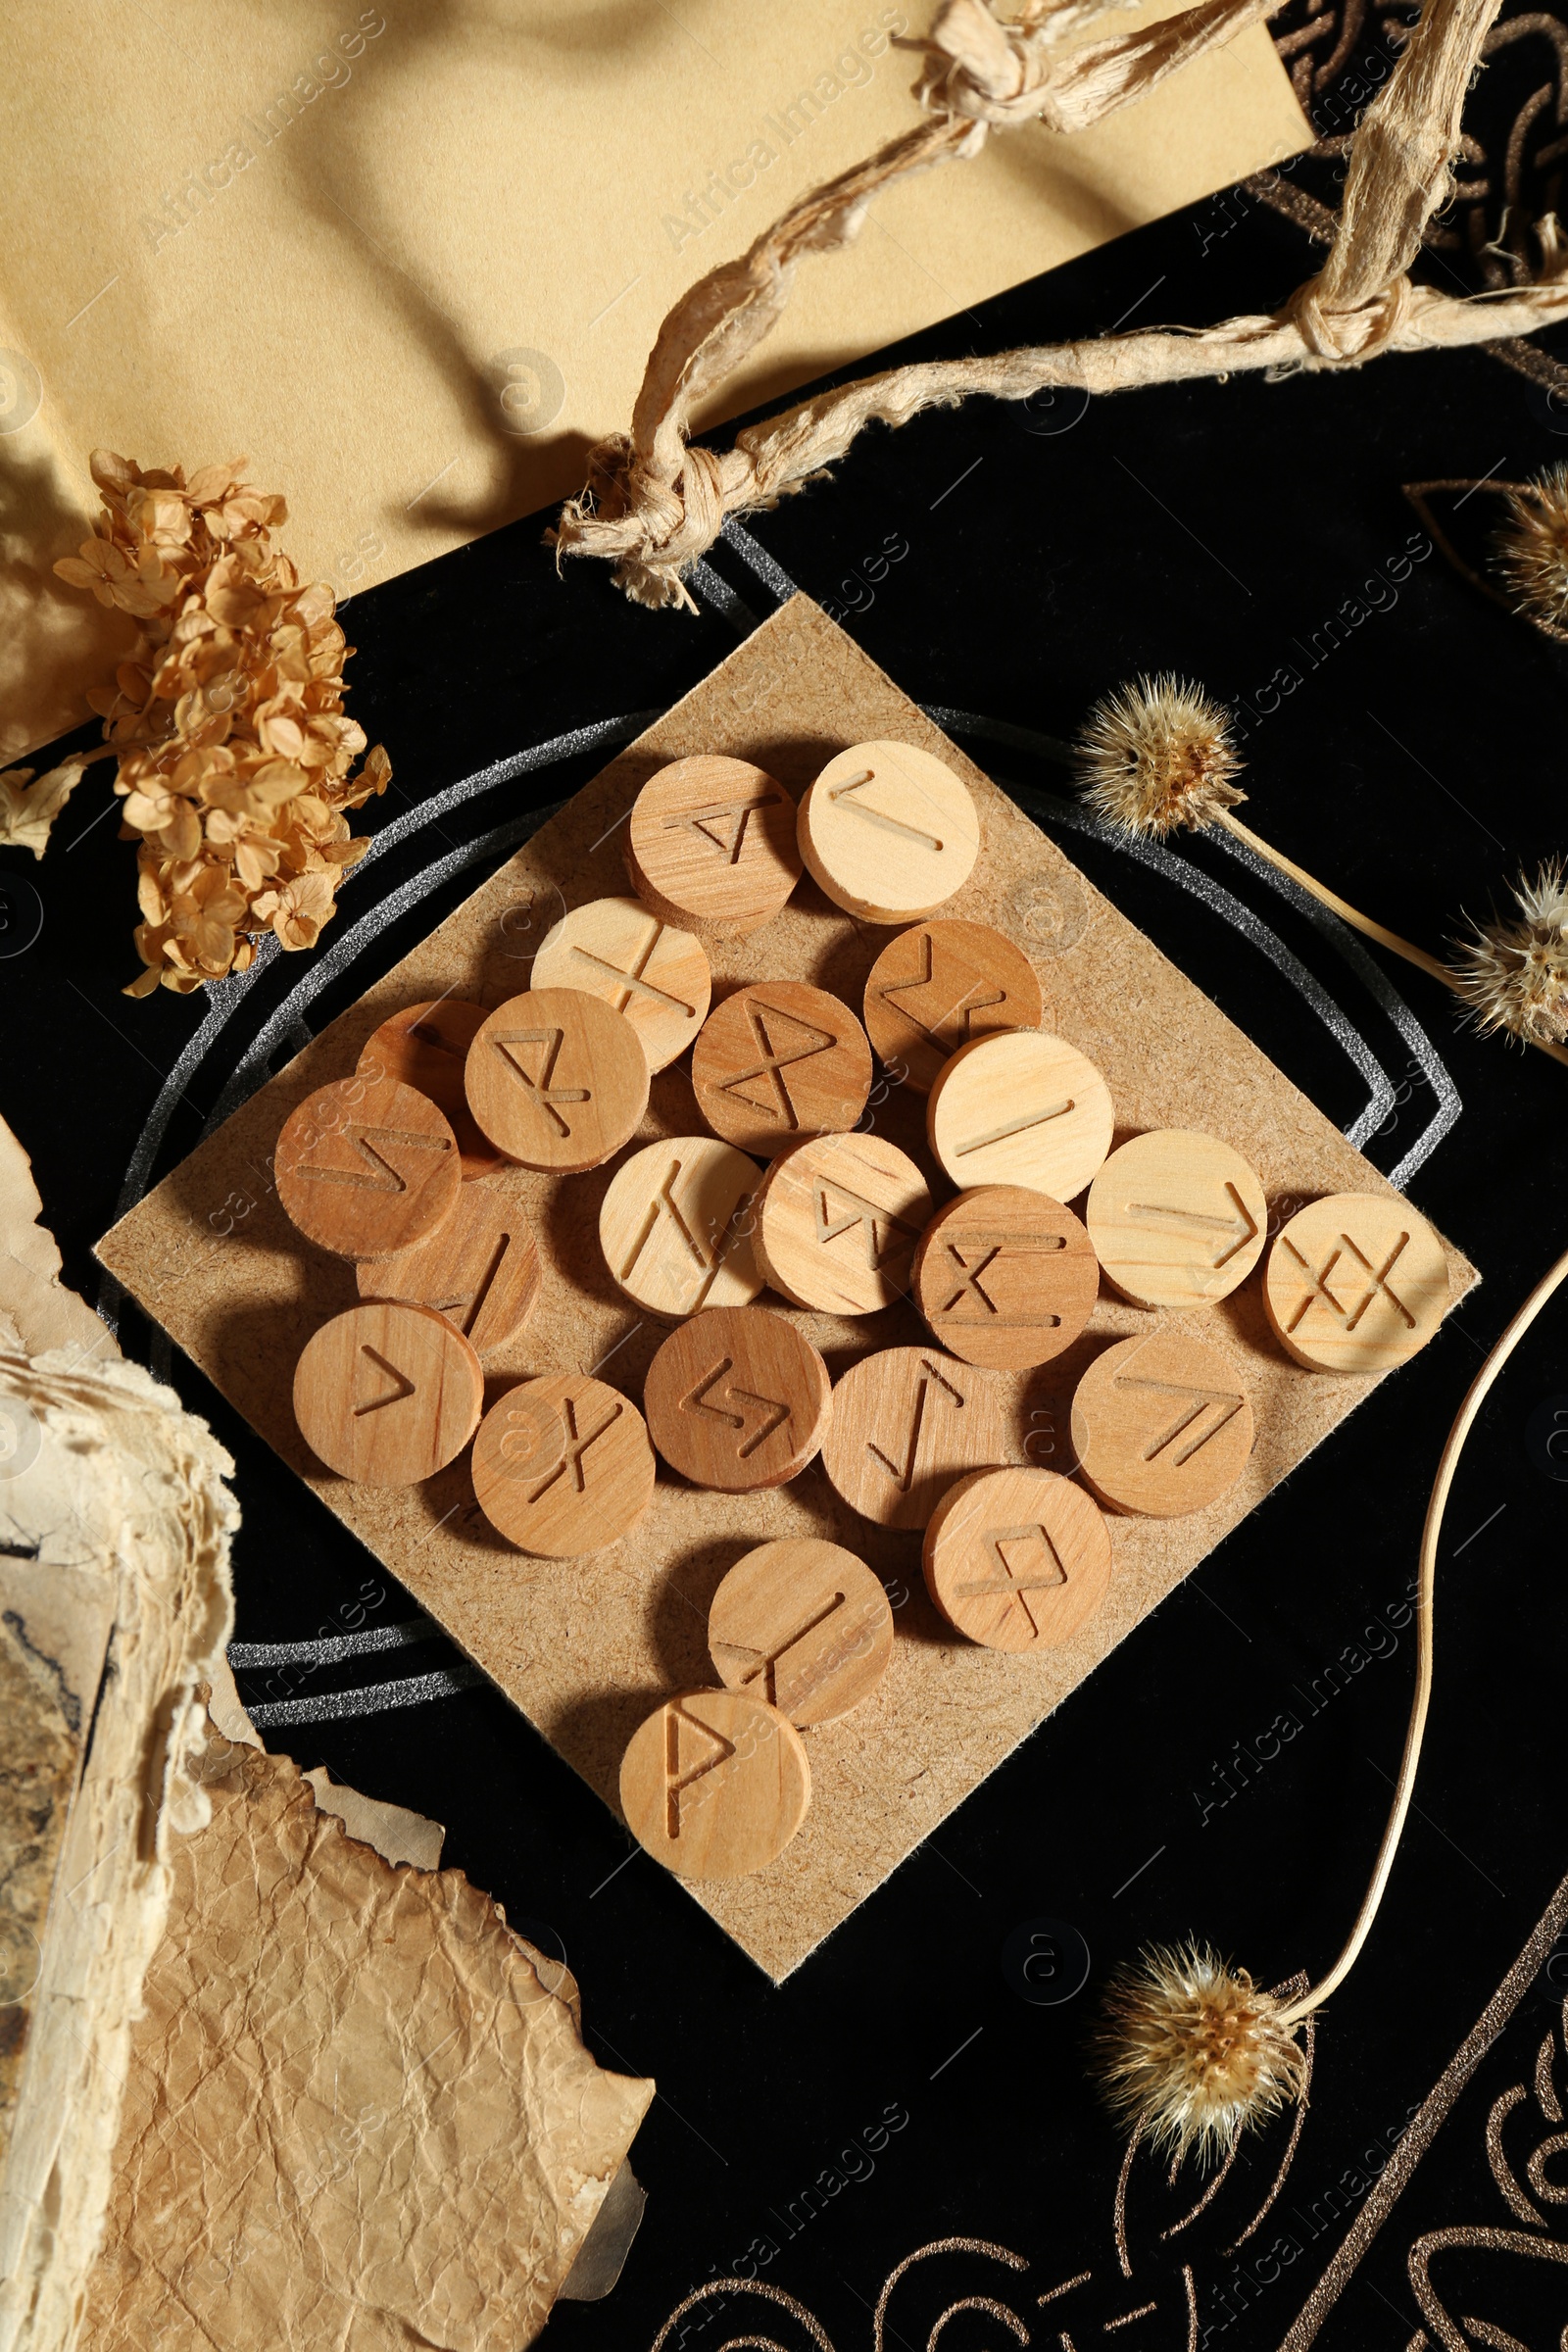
(410, 257)
(587, 1646)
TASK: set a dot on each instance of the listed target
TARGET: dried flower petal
(1513, 974)
(1191, 2052)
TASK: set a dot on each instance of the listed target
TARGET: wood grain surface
(940, 985)
(425, 1047)
(387, 1394)
(652, 972)
(1006, 1277)
(1162, 1425)
(674, 1226)
(889, 832)
(365, 1166)
(778, 1062)
(480, 1269)
(1177, 1219)
(805, 1625)
(838, 1221)
(1356, 1282)
(712, 844)
(1021, 1107)
(907, 1422)
(557, 1079)
(1016, 1559)
(737, 1398)
(563, 1466)
(714, 1783)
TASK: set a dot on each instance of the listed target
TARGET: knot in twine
(650, 527)
(1338, 338)
(986, 73)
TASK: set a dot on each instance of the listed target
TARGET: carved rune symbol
(377, 1175)
(468, 1304)
(667, 1217)
(933, 1386)
(572, 1463)
(692, 1751)
(757, 1426)
(769, 1025)
(1230, 1234)
(1042, 1572)
(1198, 1402)
(768, 1662)
(840, 796)
(1349, 1316)
(974, 1256)
(722, 826)
(885, 1234)
(633, 982)
(401, 1386)
(541, 1093)
(1000, 1135)
(945, 1007)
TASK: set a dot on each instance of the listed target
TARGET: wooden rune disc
(1177, 1219)
(480, 1269)
(837, 1223)
(557, 1079)
(1356, 1282)
(716, 1784)
(712, 843)
(1006, 1277)
(780, 1061)
(736, 1399)
(905, 1423)
(425, 1047)
(562, 1465)
(365, 1166)
(804, 1625)
(937, 987)
(647, 969)
(387, 1394)
(889, 832)
(675, 1227)
(1016, 1559)
(1162, 1425)
(1021, 1107)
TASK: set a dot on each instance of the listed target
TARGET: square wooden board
(586, 1648)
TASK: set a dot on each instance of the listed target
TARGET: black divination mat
(1227, 1770)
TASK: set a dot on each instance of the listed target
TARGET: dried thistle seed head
(1513, 973)
(1158, 756)
(1191, 2052)
(1531, 548)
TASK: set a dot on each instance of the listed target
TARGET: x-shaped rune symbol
(1349, 1317)
(633, 982)
(577, 1445)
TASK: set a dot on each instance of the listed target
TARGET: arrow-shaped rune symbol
(1236, 1231)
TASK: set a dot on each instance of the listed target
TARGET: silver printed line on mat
(329, 1648)
(377, 1698)
(756, 558)
(723, 597)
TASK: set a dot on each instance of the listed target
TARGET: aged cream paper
(410, 258)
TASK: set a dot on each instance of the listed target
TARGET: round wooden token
(737, 1399)
(780, 1061)
(1177, 1219)
(907, 1422)
(1356, 1282)
(562, 1465)
(803, 1624)
(1022, 1107)
(889, 832)
(716, 1784)
(1006, 1277)
(837, 1223)
(425, 1046)
(480, 1269)
(1016, 1559)
(1162, 1425)
(938, 987)
(557, 1079)
(387, 1394)
(712, 843)
(365, 1166)
(654, 974)
(675, 1227)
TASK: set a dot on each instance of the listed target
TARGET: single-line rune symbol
(1349, 1316)
(1000, 1135)
(1016, 1583)
(541, 1093)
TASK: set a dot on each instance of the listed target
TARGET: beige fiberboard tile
(586, 1648)
(410, 257)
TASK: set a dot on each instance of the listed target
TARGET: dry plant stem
(1480, 1390)
(1361, 923)
(656, 505)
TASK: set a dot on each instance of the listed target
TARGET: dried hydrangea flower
(1513, 973)
(1532, 549)
(29, 803)
(1158, 756)
(236, 752)
(1191, 2052)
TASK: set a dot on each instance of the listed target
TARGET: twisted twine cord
(655, 502)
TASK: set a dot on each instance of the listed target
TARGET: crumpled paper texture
(358, 2115)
